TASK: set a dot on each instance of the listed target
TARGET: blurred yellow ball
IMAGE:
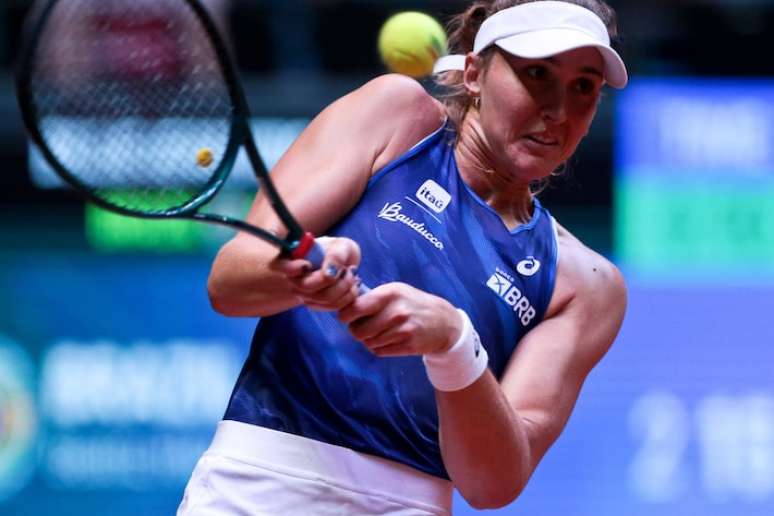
(410, 42)
(204, 157)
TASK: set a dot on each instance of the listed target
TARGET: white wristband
(460, 365)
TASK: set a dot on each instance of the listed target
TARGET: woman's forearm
(241, 283)
(484, 443)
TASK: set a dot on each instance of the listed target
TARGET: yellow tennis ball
(410, 42)
(204, 157)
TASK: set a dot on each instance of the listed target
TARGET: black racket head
(132, 102)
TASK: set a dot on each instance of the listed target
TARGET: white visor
(536, 30)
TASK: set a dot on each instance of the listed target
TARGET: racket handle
(315, 255)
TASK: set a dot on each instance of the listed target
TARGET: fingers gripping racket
(137, 105)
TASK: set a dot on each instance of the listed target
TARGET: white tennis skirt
(250, 470)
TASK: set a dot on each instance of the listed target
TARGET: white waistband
(335, 464)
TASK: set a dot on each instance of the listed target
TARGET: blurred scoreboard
(113, 372)
(694, 185)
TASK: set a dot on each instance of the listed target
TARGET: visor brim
(550, 42)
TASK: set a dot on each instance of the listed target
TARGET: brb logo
(433, 196)
(502, 284)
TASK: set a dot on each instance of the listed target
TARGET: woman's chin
(530, 168)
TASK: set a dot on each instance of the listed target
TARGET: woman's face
(534, 112)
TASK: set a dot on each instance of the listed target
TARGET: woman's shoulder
(403, 97)
(399, 113)
(583, 275)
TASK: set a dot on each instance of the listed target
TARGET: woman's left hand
(396, 319)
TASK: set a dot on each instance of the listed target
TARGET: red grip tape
(304, 245)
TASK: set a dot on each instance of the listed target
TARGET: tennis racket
(137, 105)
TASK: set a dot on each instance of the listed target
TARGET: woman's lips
(543, 139)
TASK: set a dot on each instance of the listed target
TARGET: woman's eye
(585, 86)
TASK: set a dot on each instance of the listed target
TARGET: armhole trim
(416, 149)
(554, 264)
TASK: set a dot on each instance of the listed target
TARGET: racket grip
(315, 255)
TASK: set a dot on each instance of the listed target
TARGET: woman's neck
(505, 194)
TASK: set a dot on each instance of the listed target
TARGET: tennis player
(463, 363)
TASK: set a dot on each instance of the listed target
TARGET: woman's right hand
(334, 285)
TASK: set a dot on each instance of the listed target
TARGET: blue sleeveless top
(417, 223)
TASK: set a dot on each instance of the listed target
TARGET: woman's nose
(553, 108)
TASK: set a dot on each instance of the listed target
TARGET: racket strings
(131, 100)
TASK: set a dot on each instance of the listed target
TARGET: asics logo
(528, 267)
(432, 195)
(392, 212)
(502, 284)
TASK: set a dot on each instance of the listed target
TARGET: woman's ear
(471, 76)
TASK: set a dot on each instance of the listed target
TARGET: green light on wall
(695, 226)
(108, 231)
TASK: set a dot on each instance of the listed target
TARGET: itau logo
(432, 195)
(17, 419)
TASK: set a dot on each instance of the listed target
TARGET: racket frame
(296, 244)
